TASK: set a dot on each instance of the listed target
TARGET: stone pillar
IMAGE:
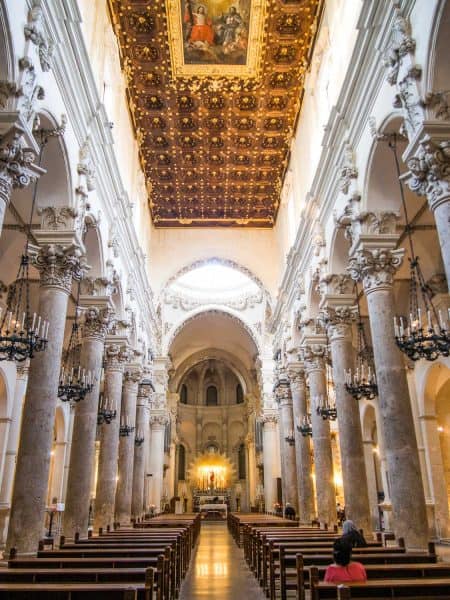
(286, 424)
(158, 421)
(11, 447)
(251, 472)
(115, 356)
(338, 305)
(124, 490)
(57, 264)
(270, 441)
(142, 428)
(302, 444)
(78, 495)
(428, 175)
(374, 261)
(314, 351)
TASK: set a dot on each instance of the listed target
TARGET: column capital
(429, 163)
(296, 374)
(159, 421)
(133, 374)
(375, 267)
(269, 418)
(337, 304)
(314, 355)
(17, 168)
(97, 320)
(116, 356)
(58, 264)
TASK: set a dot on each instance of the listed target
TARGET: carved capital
(116, 356)
(133, 376)
(269, 418)
(17, 168)
(59, 264)
(429, 171)
(296, 374)
(96, 322)
(336, 284)
(158, 422)
(97, 286)
(375, 267)
(314, 356)
(373, 223)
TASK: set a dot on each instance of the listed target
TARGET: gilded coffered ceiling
(214, 89)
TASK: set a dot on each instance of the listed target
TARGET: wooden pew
(381, 589)
(75, 591)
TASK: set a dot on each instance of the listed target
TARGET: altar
(222, 509)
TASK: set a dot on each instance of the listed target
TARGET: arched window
(211, 396)
(181, 463)
(241, 462)
(184, 394)
(239, 394)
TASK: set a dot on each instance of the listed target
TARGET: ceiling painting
(215, 88)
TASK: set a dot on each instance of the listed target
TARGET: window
(181, 463)
(211, 396)
(239, 394)
(184, 394)
(241, 462)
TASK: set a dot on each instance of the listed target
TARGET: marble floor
(218, 570)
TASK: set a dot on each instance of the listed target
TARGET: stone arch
(437, 70)
(208, 310)
(94, 251)
(338, 254)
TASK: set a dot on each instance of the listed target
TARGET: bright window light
(214, 279)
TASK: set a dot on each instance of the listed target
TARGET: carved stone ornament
(96, 322)
(133, 376)
(437, 284)
(58, 218)
(373, 223)
(336, 284)
(402, 45)
(429, 171)
(97, 286)
(8, 89)
(314, 356)
(269, 418)
(35, 32)
(159, 421)
(116, 356)
(376, 267)
(439, 103)
(348, 171)
(16, 164)
(58, 265)
(86, 166)
(283, 393)
(296, 376)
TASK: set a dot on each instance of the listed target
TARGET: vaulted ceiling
(215, 89)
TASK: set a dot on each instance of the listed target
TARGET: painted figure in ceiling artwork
(216, 31)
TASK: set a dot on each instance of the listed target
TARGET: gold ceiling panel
(214, 89)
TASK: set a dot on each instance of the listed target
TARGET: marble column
(428, 175)
(374, 261)
(57, 264)
(158, 421)
(94, 329)
(11, 447)
(306, 510)
(115, 357)
(124, 490)
(251, 472)
(286, 424)
(338, 306)
(142, 428)
(270, 441)
(314, 352)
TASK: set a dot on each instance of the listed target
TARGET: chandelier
(21, 335)
(305, 426)
(326, 403)
(74, 382)
(362, 382)
(139, 438)
(290, 438)
(106, 411)
(424, 335)
(125, 427)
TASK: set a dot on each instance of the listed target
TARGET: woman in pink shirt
(344, 570)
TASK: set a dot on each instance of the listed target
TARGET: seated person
(344, 570)
(289, 511)
(352, 535)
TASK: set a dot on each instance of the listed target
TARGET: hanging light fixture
(125, 427)
(362, 382)
(305, 427)
(74, 382)
(290, 438)
(21, 334)
(325, 403)
(139, 438)
(106, 411)
(425, 334)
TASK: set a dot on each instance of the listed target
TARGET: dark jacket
(355, 538)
